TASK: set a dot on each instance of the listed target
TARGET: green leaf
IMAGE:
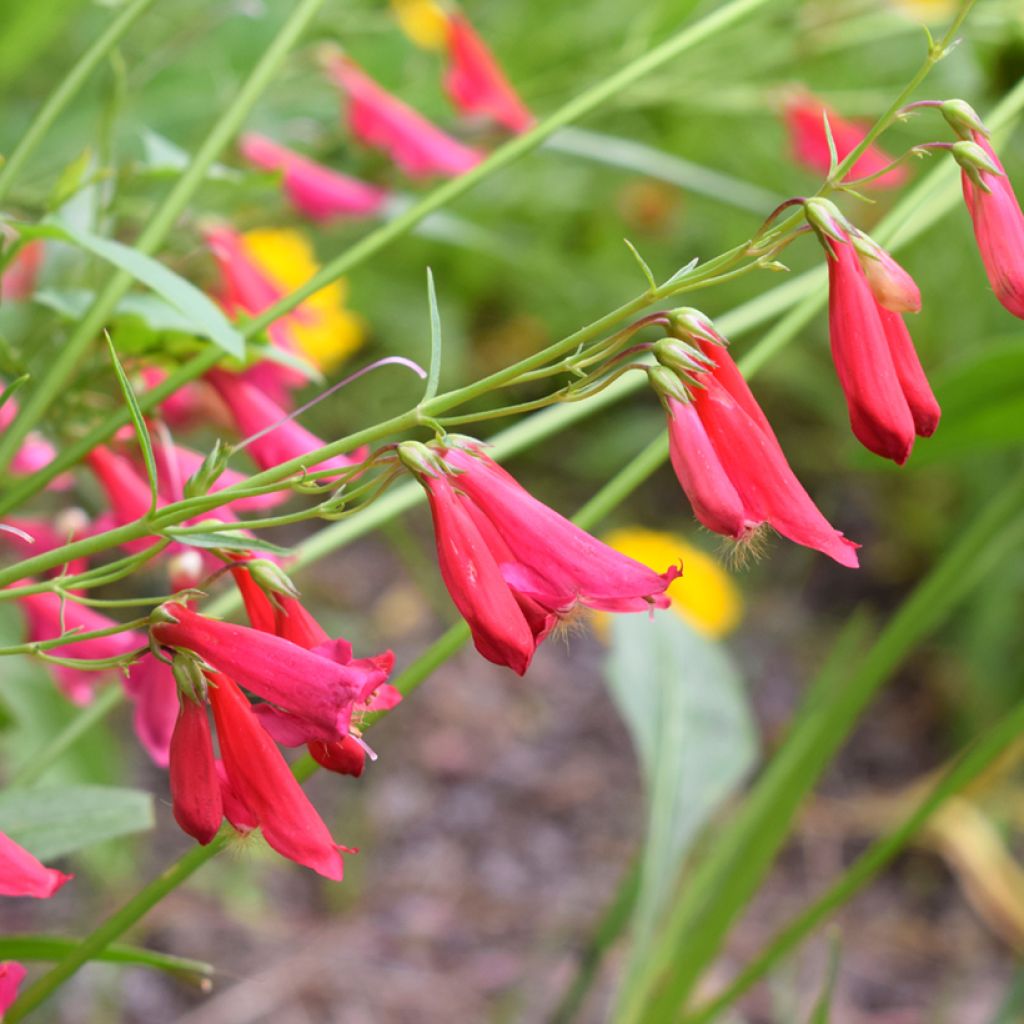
(71, 179)
(201, 313)
(139, 422)
(225, 541)
(53, 947)
(683, 700)
(54, 821)
(434, 376)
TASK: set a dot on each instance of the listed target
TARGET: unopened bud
(963, 118)
(188, 676)
(208, 473)
(890, 284)
(185, 569)
(270, 578)
(689, 324)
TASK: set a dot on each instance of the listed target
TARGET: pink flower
(887, 394)
(253, 411)
(19, 277)
(317, 191)
(12, 974)
(383, 121)
(195, 787)
(314, 690)
(997, 219)
(806, 125)
(513, 566)
(126, 489)
(261, 779)
(151, 688)
(893, 288)
(476, 83)
(730, 464)
(49, 617)
(21, 874)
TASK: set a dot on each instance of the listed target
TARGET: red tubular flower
(383, 121)
(320, 687)
(731, 466)
(475, 82)
(12, 974)
(21, 874)
(195, 788)
(806, 125)
(880, 411)
(997, 218)
(513, 566)
(49, 616)
(253, 411)
(262, 780)
(316, 191)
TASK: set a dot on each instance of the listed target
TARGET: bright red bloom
(806, 127)
(998, 228)
(317, 191)
(732, 468)
(12, 974)
(515, 567)
(887, 395)
(195, 787)
(383, 121)
(476, 83)
(316, 689)
(262, 780)
(345, 757)
(49, 616)
(21, 874)
(253, 411)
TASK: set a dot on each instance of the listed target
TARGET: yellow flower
(705, 596)
(324, 330)
(423, 21)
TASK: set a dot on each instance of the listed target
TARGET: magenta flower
(997, 218)
(476, 83)
(316, 191)
(195, 788)
(383, 121)
(151, 688)
(12, 974)
(514, 567)
(21, 874)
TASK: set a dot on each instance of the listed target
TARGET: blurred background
(502, 812)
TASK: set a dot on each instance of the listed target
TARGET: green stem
(969, 766)
(67, 360)
(67, 90)
(51, 751)
(35, 646)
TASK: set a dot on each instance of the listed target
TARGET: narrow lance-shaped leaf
(139, 422)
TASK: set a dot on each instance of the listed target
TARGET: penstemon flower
(475, 82)
(513, 566)
(12, 974)
(21, 874)
(382, 121)
(318, 192)
(724, 452)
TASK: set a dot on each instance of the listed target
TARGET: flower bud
(189, 677)
(890, 284)
(962, 118)
(206, 476)
(680, 357)
(973, 159)
(271, 578)
(185, 569)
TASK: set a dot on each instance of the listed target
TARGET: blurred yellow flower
(423, 21)
(705, 596)
(928, 11)
(324, 330)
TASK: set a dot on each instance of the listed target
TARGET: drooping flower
(997, 218)
(383, 121)
(12, 974)
(727, 458)
(514, 567)
(804, 115)
(49, 616)
(316, 191)
(315, 691)
(263, 782)
(195, 787)
(259, 268)
(253, 411)
(476, 83)
(887, 393)
(21, 874)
